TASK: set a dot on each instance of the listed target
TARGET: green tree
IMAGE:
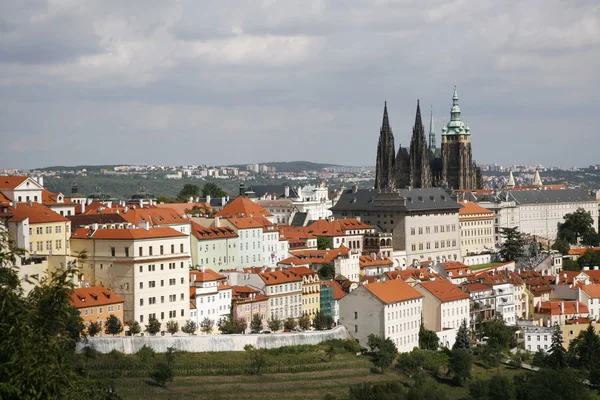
(514, 243)
(256, 358)
(501, 388)
(327, 271)
(94, 329)
(539, 359)
(134, 328)
(324, 243)
(570, 265)
(113, 325)
(172, 327)
(463, 341)
(153, 326)
(557, 356)
(166, 199)
(256, 325)
(190, 327)
(500, 335)
(384, 351)
(578, 226)
(274, 325)
(304, 322)
(188, 190)
(490, 354)
(459, 365)
(162, 374)
(587, 349)
(428, 340)
(549, 384)
(212, 190)
(562, 246)
(206, 325)
(289, 324)
(479, 390)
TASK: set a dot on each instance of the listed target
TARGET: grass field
(486, 265)
(303, 372)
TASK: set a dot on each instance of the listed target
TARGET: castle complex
(423, 165)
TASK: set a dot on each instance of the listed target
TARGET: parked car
(265, 332)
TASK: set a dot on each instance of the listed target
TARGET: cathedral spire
(511, 180)
(384, 173)
(455, 111)
(431, 131)
(418, 121)
(537, 180)
(385, 125)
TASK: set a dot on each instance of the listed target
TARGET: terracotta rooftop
(591, 290)
(277, 277)
(315, 256)
(242, 206)
(338, 292)
(93, 296)
(202, 233)
(474, 287)
(393, 291)
(368, 261)
(185, 208)
(37, 213)
(323, 227)
(51, 199)
(132, 233)
(443, 290)
(470, 208)
(249, 222)
(554, 307)
(154, 215)
(11, 182)
(580, 252)
(422, 274)
(207, 276)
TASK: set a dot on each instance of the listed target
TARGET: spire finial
(386, 123)
(431, 130)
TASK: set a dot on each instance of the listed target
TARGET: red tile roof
(93, 296)
(323, 227)
(591, 290)
(315, 256)
(580, 252)
(470, 208)
(128, 234)
(277, 277)
(184, 208)
(202, 233)
(474, 287)
(51, 199)
(443, 290)
(11, 182)
(207, 276)
(553, 307)
(393, 291)
(368, 261)
(423, 274)
(37, 214)
(241, 206)
(338, 292)
(249, 222)
(154, 215)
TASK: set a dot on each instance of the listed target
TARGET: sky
(231, 82)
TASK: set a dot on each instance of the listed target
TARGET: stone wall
(207, 343)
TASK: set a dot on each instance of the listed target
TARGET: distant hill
(292, 166)
(90, 168)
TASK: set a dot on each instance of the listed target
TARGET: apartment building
(476, 229)
(211, 295)
(216, 248)
(96, 304)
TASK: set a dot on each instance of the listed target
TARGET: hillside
(292, 166)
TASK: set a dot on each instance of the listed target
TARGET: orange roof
(591, 290)
(368, 261)
(93, 296)
(248, 222)
(301, 271)
(207, 276)
(554, 307)
(184, 208)
(241, 291)
(323, 227)
(566, 277)
(393, 291)
(295, 232)
(241, 206)
(4, 199)
(277, 277)
(130, 233)
(37, 213)
(202, 233)
(315, 256)
(11, 182)
(414, 273)
(473, 209)
(338, 292)
(444, 290)
(593, 274)
(454, 265)
(49, 198)
(581, 251)
(154, 215)
(474, 287)
(97, 207)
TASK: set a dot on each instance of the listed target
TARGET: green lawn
(486, 265)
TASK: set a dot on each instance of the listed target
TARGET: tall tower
(384, 173)
(458, 169)
(431, 131)
(420, 170)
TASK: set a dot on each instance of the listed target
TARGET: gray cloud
(248, 81)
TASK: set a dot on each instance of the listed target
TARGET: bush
(190, 327)
(256, 358)
(146, 353)
(162, 374)
(116, 355)
(352, 346)
(90, 353)
(172, 327)
(289, 324)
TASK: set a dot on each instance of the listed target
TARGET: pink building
(247, 303)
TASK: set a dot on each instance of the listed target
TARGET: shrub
(162, 374)
(134, 328)
(190, 327)
(274, 325)
(94, 329)
(172, 327)
(289, 324)
(90, 352)
(206, 325)
(153, 326)
(256, 359)
(352, 346)
(146, 353)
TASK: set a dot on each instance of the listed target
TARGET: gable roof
(591, 290)
(338, 292)
(369, 261)
(249, 222)
(181, 208)
(202, 233)
(420, 274)
(470, 208)
(338, 227)
(242, 206)
(315, 256)
(208, 275)
(551, 196)
(154, 215)
(51, 199)
(277, 277)
(11, 182)
(393, 291)
(36, 212)
(555, 307)
(93, 296)
(89, 219)
(127, 234)
(443, 290)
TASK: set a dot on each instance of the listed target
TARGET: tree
(304, 322)
(539, 359)
(459, 365)
(256, 325)
(384, 351)
(491, 354)
(322, 321)
(230, 325)
(428, 340)
(172, 327)
(162, 374)
(324, 243)
(274, 325)
(478, 390)
(94, 329)
(153, 326)
(562, 246)
(578, 226)
(188, 190)
(557, 356)
(190, 327)
(501, 388)
(514, 243)
(463, 341)
(134, 328)
(256, 358)
(500, 335)
(587, 351)
(206, 325)
(113, 325)
(327, 271)
(212, 190)
(289, 324)
(549, 384)
(166, 199)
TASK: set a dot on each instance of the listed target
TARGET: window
(172, 248)
(112, 251)
(182, 312)
(39, 231)
(162, 249)
(150, 250)
(58, 244)
(172, 298)
(162, 315)
(141, 285)
(141, 318)
(152, 284)
(172, 281)
(40, 246)
(182, 280)
(141, 268)
(181, 248)
(162, 282)
(355, 314)
(355, 328)
(140, 251)
(48, 229)
(58, 229)
(126, 251)
(151, 300)
(172, 314)
(100, 311)
(48, 244)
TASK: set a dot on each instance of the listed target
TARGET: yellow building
(95, 304)
(311, 290)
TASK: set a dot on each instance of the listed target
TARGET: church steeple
(385, 125)
(384, 173)
(431, 131)
(420, 170)
(455, 111)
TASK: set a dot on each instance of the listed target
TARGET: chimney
(208, 199)
(556, 279)
(202, 268)
(562, 307)
(197, 200)
(190, 199)
(577, 306)
(94, 227)
(287, 191)
(126, 209)
(141, 203)
(354, 187)
(218, 222)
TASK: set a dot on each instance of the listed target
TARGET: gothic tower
(384, 173)
(431, 132)
(420, 170)
(458, 169)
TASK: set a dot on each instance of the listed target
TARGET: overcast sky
(221, 82)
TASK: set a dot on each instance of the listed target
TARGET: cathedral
(423, 164)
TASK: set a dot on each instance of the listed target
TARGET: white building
(250, 233)
(345, 261)
(148, 267)
(211, 295)
(216, 247)
(390, 309)
(537, 337)
(445, 307)
(476, 229)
